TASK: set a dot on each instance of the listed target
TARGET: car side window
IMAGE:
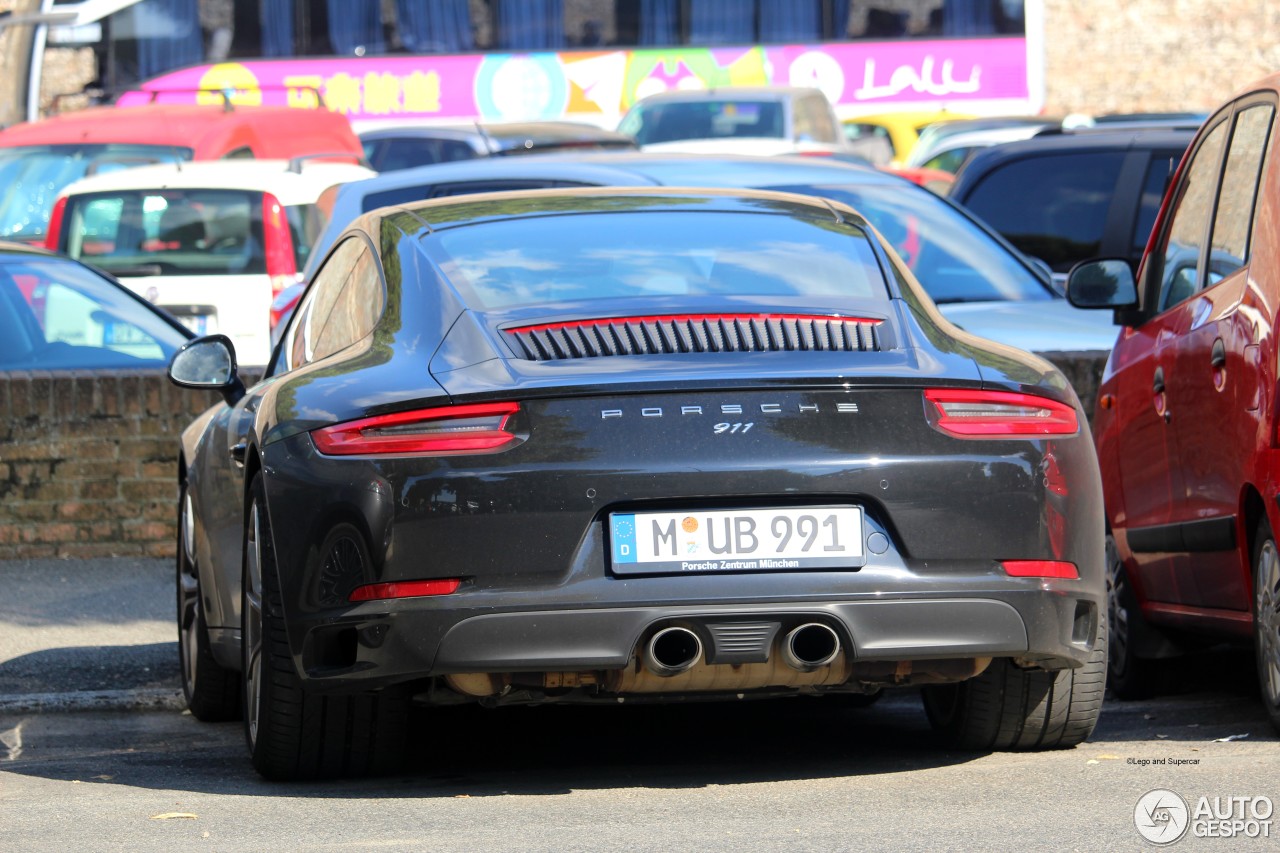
(825, 128)
(314, 311)
(1189, 226)
(1159, 172)
(802, 121)
(356, 310)
(1233, 222)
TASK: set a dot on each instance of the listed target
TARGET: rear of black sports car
(674, 444)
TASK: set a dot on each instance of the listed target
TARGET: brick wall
(88, 461)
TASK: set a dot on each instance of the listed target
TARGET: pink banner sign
(599, 86)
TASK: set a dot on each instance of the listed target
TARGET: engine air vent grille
(695, 333)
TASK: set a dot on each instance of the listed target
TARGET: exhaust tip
(672, 651)
(811, 646)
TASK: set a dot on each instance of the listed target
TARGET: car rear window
(168, 232)
(55, 314)
(709, 119)
(1052, 207)
(31, 176)
(572, 258)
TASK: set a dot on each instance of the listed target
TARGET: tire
(1128, 676)
(212, 691)
(1266, 618)
(1010, 708)
(293, 734)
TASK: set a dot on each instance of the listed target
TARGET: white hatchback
(211, 243)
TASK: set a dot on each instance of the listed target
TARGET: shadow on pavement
(474, 752)
(88, 668)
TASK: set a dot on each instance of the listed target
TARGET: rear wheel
(1010, 708)
(293, 734)
(1128, 676)
(1266, 615)
(212, 692)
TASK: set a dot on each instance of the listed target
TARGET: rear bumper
(1052, 625)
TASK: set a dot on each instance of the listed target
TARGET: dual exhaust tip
(672, 651)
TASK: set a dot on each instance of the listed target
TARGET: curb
(142, 699)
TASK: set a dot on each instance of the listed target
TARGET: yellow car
(900, 129)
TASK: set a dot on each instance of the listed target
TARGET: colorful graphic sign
(599, 86)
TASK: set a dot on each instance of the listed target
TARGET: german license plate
(123, 334)
(737, 540)
(197, 323)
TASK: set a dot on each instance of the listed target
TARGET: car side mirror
(208, 363)
(1106, 283)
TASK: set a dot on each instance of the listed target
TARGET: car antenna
(488, 141)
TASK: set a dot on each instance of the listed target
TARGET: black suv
(1064, 197)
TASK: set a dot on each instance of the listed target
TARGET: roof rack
(228, 92)
(296, 163)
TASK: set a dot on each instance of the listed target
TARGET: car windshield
(31, 176)
(55, 314)
(954, 258)
(543, 260)
(707, 119)
(168, 232)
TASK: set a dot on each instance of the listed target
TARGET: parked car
(212, 243)
(57, 314)
(736, 120)
(1067, 197)
(585, 445)
(38, 159)
(948, 151)
(1186, 424)
(389, 149)
(977, 279)
(901, 129)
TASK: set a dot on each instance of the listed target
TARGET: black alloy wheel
(1266, 618)
(1128, 676)
(293, 734)
(212, 691)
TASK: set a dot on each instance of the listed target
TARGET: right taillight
(277, 240)
(476, 428)
(997, 414)
(54, 234)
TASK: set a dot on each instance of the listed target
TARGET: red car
(1188, 410)
(38, 159)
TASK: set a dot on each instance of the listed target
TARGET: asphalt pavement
(88, 634)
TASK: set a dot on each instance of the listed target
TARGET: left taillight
(997, 414)
(54, 234)
(477, 428)
(277, 243)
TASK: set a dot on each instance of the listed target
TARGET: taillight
(1040, 569)
(425, 432)
(284, 302)
(277, 241)
(997, 414)
(403, 589)
(53, 235)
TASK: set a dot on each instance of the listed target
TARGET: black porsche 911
(583, 445)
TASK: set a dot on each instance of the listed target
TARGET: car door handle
(1218, 356)
(1161, 402)
(237, 453)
